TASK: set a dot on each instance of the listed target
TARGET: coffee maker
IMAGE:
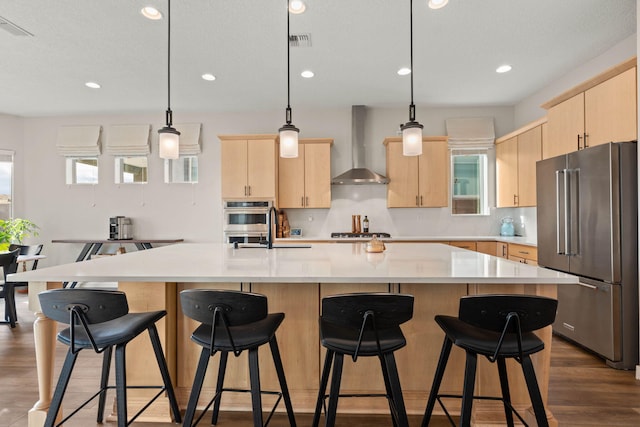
(120, 228)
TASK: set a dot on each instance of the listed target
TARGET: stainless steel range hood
(358, 174)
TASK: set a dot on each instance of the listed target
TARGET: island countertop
(216, 262)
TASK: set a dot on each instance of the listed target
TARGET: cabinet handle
(579, 136)
(249, 188)
(504, 250)
(585, 140)
(302, 201)
(245, 190)
(306, 200)
(515, 201)
(421, 203)
(523, 252)
(417, 201)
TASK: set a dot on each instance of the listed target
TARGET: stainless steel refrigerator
(587, 217)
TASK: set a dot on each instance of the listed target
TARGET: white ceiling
(357, 48)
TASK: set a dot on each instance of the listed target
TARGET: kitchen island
(294, 280)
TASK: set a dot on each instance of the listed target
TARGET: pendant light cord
(169, 117)
(288, 111)
(412, 108)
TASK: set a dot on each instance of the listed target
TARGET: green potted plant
(15, 230)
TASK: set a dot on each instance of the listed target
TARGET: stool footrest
(242, 390)
(439, 397)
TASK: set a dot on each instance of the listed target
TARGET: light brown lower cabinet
(523, 253)
(464, 244)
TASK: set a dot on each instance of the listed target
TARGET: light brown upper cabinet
(598, 111)
(516, 157)
(418, 181)
(249, 165)
(305, 181)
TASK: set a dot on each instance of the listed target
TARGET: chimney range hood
(358, 174)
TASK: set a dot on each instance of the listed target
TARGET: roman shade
(129, 140)
(470, 132)
(79, 141)
(190, 138)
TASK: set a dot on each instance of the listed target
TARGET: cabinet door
(317, 175)
(433, 174)
(565, 123)
(291, 180)
(529, 152)
(261, 168)
(502, 250)
(489, 248)
(611, 110)
(507, 173)
(464, 244)
(402, 171)
(233, 169)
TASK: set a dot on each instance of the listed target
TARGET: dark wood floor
(583, 390)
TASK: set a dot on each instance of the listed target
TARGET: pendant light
(412, 130)
(168, 136)
(288, 132)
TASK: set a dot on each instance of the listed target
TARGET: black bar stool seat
(233, 322)
(362, 325)
(99, 319)
(498, 327)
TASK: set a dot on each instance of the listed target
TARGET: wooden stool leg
(504, 386)
(468, 389)
(437, 380)
(104, 382)
(396, 390)
(198, 380)
(277, 361)
(254, 377)
(328, 359)
(222, 369)
(334, 393)
(121, 385)
(61, 387)
(534, 392)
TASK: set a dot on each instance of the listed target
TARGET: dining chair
(9, 264)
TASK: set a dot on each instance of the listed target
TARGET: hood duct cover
(358, 174)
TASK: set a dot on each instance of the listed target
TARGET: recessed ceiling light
(503, 68)
(307, 74)
(151, 12)
(92, 85)
(437, 4)
(297, 6)
(209, 77)
(404, 71)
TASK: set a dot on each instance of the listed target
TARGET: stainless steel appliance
(120, 228)
(246, 221)
(587, 225)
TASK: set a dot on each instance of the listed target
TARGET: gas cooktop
(358, 235)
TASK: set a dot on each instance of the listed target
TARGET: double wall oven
(245, 221)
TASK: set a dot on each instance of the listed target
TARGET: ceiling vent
(12, 28)
(300, 40)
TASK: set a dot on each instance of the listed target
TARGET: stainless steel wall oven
(245, 221)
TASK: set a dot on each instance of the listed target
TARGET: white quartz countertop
(321, 263)
(522, 240)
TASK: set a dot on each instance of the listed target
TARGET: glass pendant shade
(289, 141)
(412, 139)
(169, 143)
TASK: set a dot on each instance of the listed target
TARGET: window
(82, 170)
(469, 182)
(181, 170)
(6, 184)
(131, 170)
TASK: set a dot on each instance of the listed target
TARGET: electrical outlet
(310, 218)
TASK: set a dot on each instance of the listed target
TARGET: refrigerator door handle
(561, 210)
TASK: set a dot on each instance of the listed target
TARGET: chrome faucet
(273, 212)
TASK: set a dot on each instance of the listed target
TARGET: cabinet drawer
(522, 260)
(523, 251)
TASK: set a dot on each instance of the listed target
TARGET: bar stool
(233, 321)
(498, 327)
(99, 319)
(367, 325)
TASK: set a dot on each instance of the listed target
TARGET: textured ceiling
(357, 48)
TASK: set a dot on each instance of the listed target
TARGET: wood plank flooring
(583, 390)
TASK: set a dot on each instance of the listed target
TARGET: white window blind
(470, 132)
(190, 138)
(129, 140)
(79, 141)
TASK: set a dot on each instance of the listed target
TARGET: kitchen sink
(278, 246)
